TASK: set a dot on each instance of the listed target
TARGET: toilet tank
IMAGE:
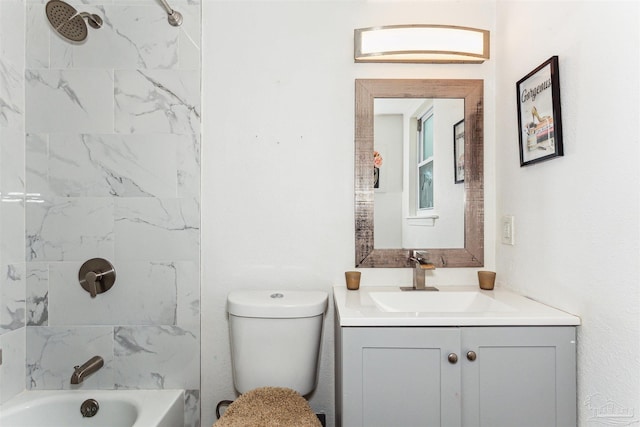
(275, 338)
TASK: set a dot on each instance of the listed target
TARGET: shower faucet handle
(91, 278)
(97, 276)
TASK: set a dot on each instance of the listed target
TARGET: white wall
(278, 153)
(576, 217)
(387, 219)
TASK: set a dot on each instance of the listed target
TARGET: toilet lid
(277, 303)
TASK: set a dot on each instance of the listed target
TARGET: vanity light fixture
(443, 44)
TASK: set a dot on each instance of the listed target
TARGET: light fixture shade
(421, 44)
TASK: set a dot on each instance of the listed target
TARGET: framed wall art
(539, 117)
(458, 152)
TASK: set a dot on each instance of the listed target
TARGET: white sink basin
(451, 306)
(437, 302)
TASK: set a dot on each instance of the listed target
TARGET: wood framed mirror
(471, 253)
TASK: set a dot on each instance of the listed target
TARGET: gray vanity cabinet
(392, 377)
(521, 376)
(452, 377)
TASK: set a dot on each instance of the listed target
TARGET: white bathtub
(118, 408)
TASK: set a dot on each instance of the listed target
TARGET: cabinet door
(400, 377)
(521, 376)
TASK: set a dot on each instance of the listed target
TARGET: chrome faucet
(419, 270)
(89, 367)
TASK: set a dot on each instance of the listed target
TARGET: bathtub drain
(89, 408)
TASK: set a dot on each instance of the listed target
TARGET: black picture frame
(458, 152)
(539, 115)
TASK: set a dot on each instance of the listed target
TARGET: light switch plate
(507, 230)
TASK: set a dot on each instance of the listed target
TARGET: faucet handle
(96, 276)
(419, 256)
(91, 278)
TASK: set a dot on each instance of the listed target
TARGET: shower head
(68, 22)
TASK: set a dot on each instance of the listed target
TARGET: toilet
(275, 338)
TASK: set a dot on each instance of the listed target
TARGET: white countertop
(357, 308)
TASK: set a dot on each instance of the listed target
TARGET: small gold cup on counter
(486, 279)
(353, 280)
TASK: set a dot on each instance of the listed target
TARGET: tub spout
(90, 366)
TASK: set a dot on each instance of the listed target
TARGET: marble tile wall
(111, 167)
(12, 198)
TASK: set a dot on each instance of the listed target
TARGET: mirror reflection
(415, 174)
(419, 173)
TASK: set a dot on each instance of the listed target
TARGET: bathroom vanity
(457, 357)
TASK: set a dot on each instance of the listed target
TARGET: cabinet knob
(471, 355)
(452, 358)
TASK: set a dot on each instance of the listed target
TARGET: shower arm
(174, 17)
